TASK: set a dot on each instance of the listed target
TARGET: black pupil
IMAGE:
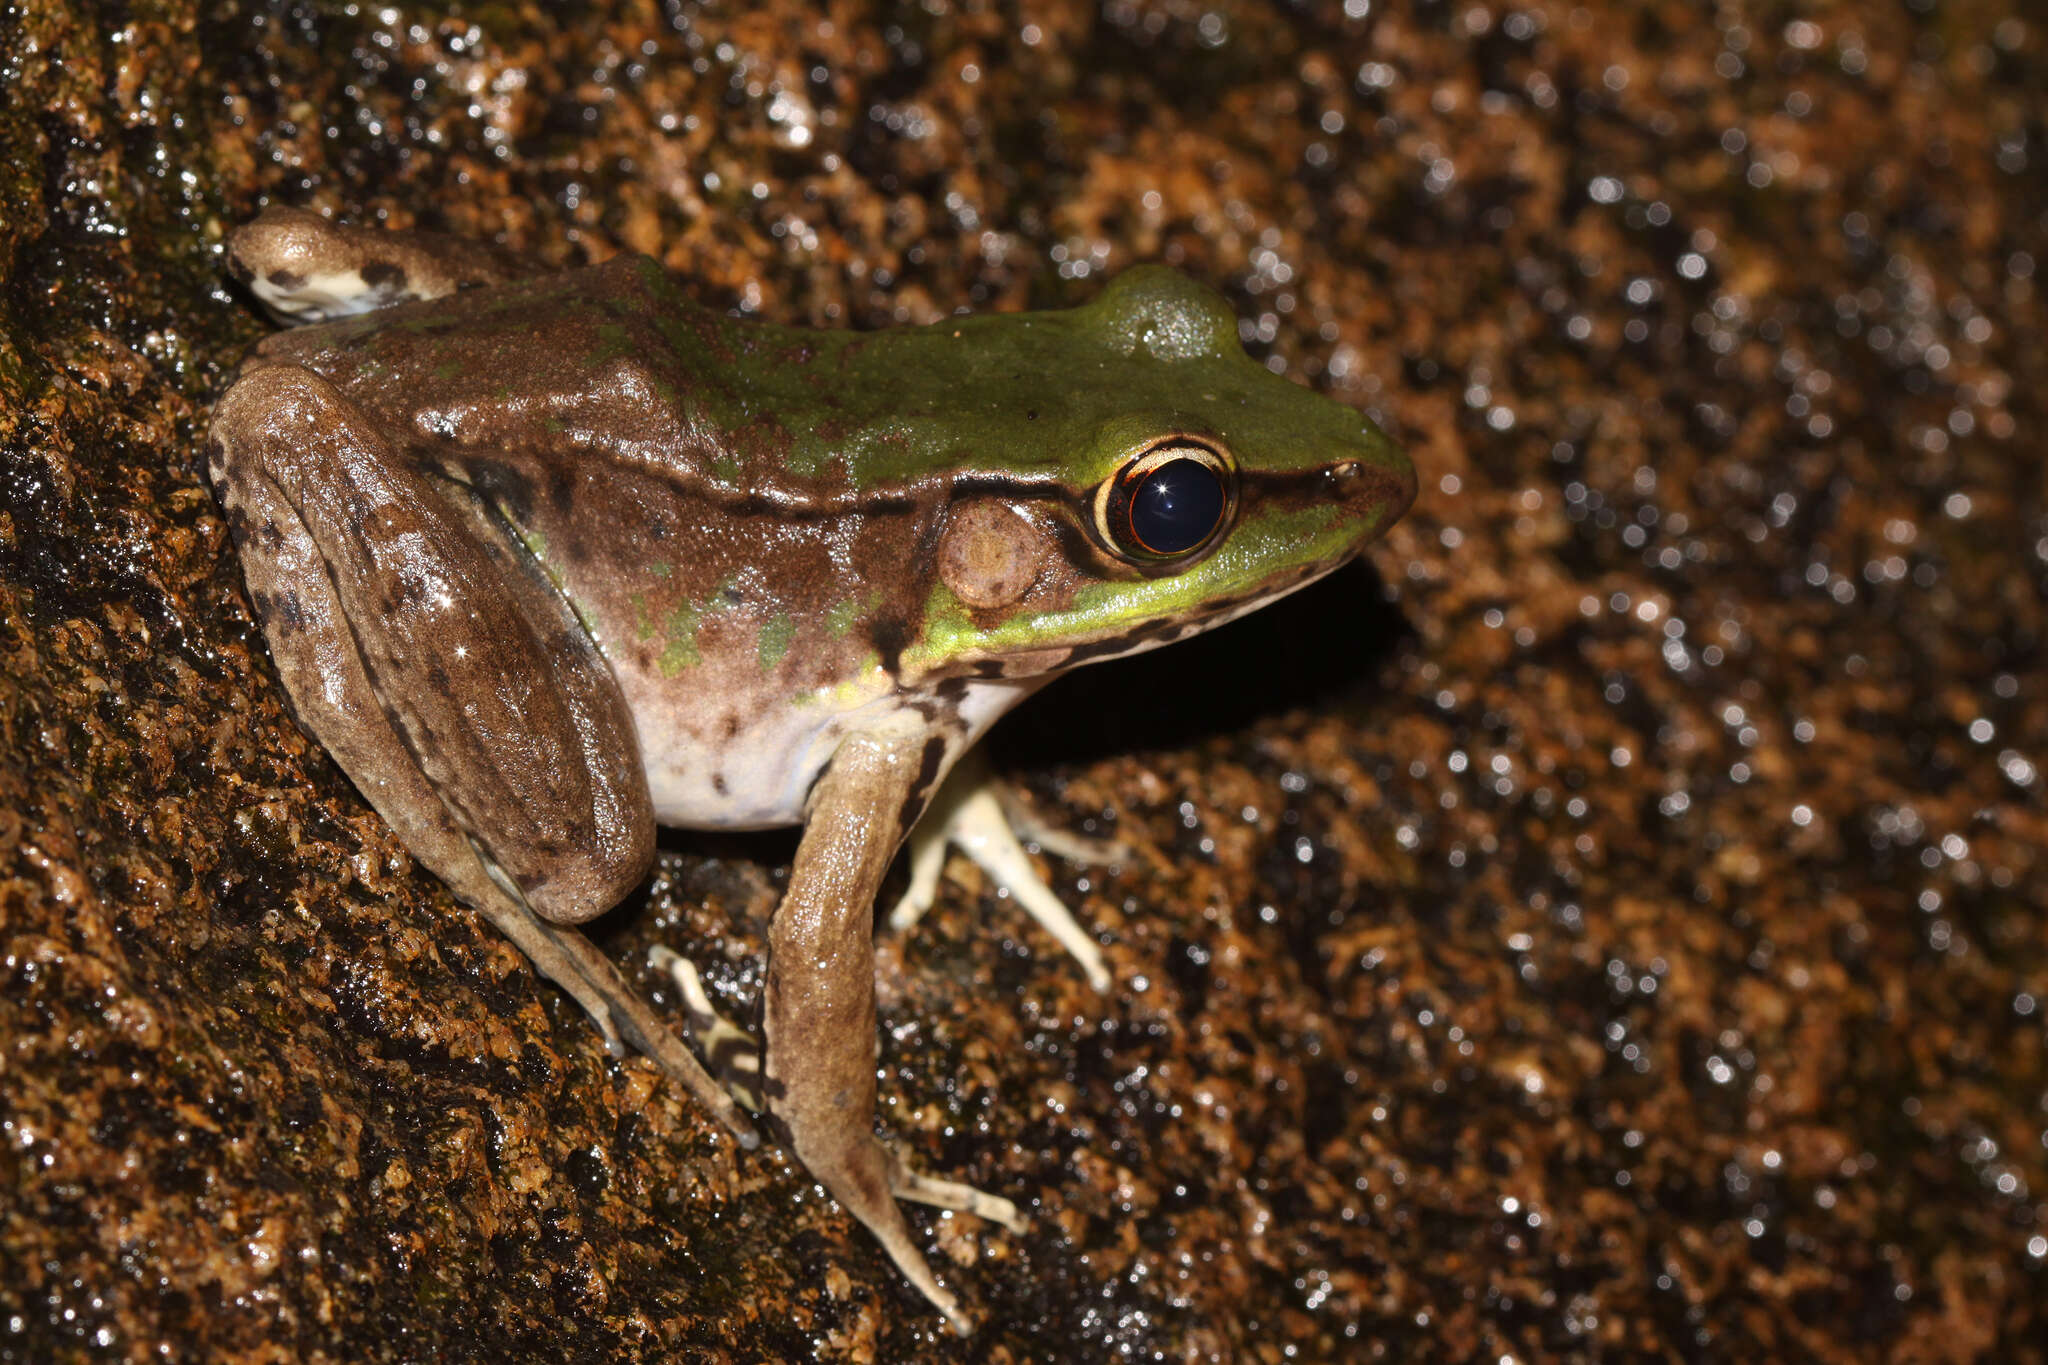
(1177, 506)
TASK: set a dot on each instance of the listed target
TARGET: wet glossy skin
(546, 561)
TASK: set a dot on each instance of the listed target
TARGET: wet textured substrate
(1613, 923)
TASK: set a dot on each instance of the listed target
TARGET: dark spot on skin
(718, 783)
(952, 691)
(928, 764)
(889, 635)
(238, 522)
(384, 275)
(562, 489)
(291, 612)
(500, 483)
(732, 725)
(269, 535)
(1031, 414)
(989, 668)
(287, 280)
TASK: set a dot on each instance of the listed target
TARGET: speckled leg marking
(304, 268)
(730, 1053)
(487, 734)
(819, 1009)
(970, 813)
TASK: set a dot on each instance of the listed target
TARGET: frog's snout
(1370, 491)
(280, 240)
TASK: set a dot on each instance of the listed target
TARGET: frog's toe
(1032, 828)
(976, 820)
(916, 1186)
(730, 1053)
(567, 958)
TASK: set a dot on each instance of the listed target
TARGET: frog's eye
(1167, 503)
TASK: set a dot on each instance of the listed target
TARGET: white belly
(760, 775)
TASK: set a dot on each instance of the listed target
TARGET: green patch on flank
(448, 369)
(682, 651)
(727, 468)
(613, 341)
(776, 634)
(847, 612)
(658, 569)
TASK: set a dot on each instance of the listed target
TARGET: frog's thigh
(819, 1011)
(451, 685)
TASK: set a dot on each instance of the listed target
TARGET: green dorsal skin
(1056, 396)
(1021, 393)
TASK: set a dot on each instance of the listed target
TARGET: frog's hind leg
(306, 268)
(818, 1012)
(448, 680)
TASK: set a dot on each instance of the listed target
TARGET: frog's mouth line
(1149, 634)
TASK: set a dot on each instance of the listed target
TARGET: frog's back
(617, 360)
(606, 360)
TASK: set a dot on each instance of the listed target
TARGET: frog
(545, 558)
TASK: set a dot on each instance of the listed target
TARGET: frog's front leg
(449, 680)
(306, 268)
(819, 1007)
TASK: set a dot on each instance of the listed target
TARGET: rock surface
(1612, 924)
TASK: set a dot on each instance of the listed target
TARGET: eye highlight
(1167, 503)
